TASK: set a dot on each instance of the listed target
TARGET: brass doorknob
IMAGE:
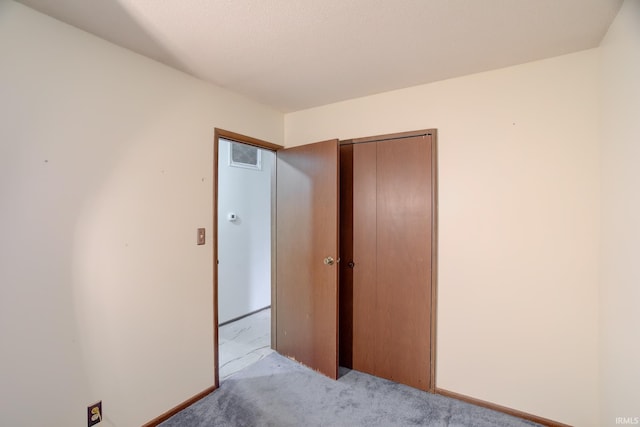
(329, 261)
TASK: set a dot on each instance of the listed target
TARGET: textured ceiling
(297, 54)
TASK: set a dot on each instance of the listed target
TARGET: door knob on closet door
(329, 261)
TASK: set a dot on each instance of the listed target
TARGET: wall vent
(245, 156)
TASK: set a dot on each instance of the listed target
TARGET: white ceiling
(297, 54)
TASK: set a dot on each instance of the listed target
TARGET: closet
(355, 256)
(387, 244)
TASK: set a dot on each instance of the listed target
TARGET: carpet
(278, 392)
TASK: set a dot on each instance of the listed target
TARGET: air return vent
(244, 156)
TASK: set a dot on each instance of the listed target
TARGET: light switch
(201, 236)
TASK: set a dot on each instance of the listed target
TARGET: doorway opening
(243, 222)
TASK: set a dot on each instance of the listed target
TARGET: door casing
(232, 136)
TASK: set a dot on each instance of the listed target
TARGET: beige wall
(620, 292)
(106, 171)
(519, 218)
(106, 166)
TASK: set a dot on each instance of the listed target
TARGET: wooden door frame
(236, 137)
(434, 230)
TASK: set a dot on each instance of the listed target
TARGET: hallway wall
(244, 245)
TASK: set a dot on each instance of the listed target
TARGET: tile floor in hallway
(244, 342)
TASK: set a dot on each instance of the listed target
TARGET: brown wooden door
(306, 312)
(391, 250)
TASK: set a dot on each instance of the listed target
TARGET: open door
(307, 255)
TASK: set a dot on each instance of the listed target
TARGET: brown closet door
(392, 237)
(306, 235)
(366, 322)
(404, 259)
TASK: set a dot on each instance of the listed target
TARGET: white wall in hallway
(244, 245)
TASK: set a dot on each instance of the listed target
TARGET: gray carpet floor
(278, 392)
